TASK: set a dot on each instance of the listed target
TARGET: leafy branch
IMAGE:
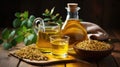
(22, 31)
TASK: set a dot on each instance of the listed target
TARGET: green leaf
(29, 24)
(19, 38)
(12, 34)
(31, 18)
(57, 14)
(47, 19)
(17, 14)
(52, 10)
(14, 42)
(24, 22)
(21, 30)
(60, 21)
(7, 46)
(53, 17)
(5, 33)
(24, 29)
(16, 23)
(1, 41)
(34, 38)
(28, 39)
(30, 31)
(47, 13)
(25, 14)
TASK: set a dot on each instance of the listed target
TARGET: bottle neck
(72, 15)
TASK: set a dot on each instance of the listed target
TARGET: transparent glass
(59, 45)
(43, 31)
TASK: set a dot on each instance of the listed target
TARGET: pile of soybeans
(30, 52)
(93, 45)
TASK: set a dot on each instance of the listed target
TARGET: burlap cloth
(95, 31)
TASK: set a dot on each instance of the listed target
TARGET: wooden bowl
(92, 55)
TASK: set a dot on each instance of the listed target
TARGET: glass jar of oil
(72, 26)
(43, 31)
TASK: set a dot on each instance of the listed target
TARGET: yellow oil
(43, 41)
(75, 30)
(59, 48)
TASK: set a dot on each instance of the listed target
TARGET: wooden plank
(116, 53)
(5, 60)
(107, 62)
(116, 58)
(81, 64)
(77, 64)
(117, 47)
(13, 62)
(24, 64)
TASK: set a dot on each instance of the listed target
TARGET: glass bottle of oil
(72, 26)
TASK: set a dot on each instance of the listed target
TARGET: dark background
(105, 13)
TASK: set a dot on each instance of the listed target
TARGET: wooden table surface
(111, 61)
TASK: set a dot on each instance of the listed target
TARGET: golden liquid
(59, 48)
(75, 31)
(43, 41)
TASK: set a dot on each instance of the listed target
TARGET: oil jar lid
(72, 6)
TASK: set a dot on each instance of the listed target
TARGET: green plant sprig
(22, 31)
(49, 16)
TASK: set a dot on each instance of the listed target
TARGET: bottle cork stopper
(72, 6)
